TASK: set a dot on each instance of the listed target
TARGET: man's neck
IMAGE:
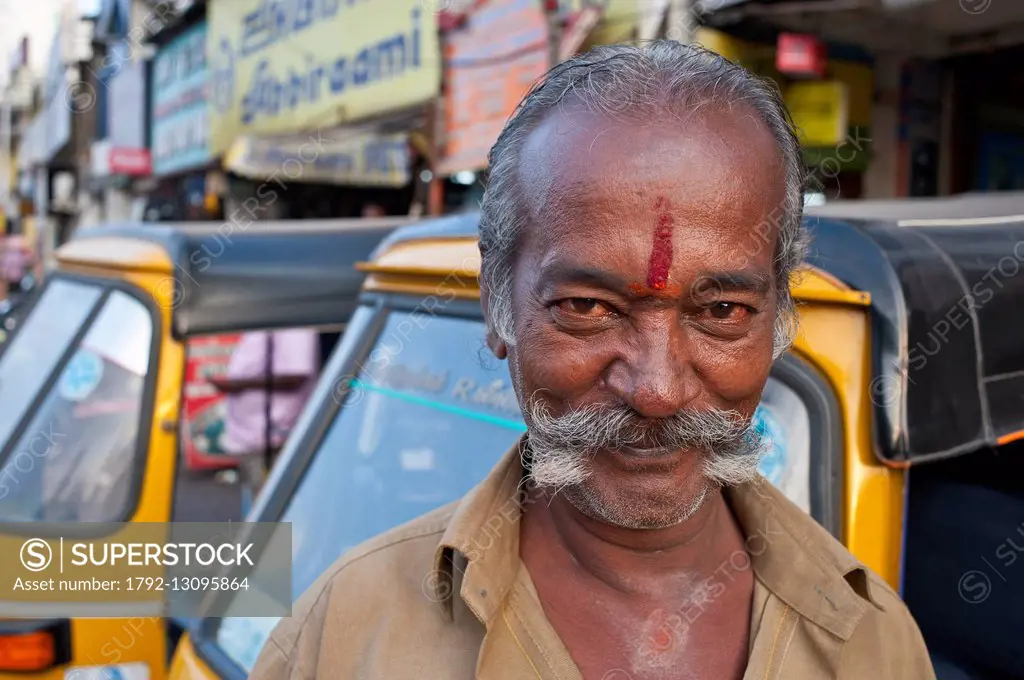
(631, 561)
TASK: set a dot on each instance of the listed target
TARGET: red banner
(133, 162)
(203, 405)
(800, 55)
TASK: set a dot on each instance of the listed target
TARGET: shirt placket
(521, 643)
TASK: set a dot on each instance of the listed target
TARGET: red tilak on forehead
(661, 251)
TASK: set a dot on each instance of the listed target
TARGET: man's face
(644, 297)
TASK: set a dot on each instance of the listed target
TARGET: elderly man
(641, 222)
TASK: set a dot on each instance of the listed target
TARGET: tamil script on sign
(287, 66)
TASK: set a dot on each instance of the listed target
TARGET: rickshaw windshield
(37, 348)
(71, 392)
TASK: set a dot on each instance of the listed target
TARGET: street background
(237, 111)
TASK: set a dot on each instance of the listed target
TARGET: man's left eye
(729, 311)
(583, 307)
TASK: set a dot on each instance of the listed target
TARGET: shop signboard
(342, 156)
(299, 65)
(132, 162)
(126, 150)
(490, 63)
(820, 111)
(800, 55)
(203, 405)
(179, 103)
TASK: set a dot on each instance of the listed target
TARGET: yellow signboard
(860, 86)
(291, 66)
(820, 110)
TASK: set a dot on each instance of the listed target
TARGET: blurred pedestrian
(16, 264)
(281, 365)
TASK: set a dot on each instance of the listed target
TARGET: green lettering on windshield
(507, 423)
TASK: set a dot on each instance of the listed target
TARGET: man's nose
(655, 376)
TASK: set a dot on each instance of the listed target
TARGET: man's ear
(496, 344)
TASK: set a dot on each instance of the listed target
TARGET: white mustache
(562, 445)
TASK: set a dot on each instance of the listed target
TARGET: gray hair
(658, 78)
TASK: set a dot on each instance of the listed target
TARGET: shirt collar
(484, 532)
(794, 557)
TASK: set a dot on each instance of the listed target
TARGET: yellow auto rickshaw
(91, 393)
(411, 412)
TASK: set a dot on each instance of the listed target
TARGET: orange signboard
(491, 61)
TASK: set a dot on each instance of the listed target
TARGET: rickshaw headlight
(33, 651)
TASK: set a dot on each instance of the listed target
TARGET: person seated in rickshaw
(283, 364)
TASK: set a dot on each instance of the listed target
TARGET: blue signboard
(179, 103)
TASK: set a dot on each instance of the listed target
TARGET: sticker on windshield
(125, 671)
(81, 376)
(417, 460)
(773, 464)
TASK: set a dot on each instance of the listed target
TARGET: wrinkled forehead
(724, 161)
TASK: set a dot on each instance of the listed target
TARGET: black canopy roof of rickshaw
(268, 274)
(947, 312)
(977, 209)
(948, 309)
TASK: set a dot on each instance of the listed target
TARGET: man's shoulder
(875, 622)
(887, 628)
(386, 575)
(889, 632)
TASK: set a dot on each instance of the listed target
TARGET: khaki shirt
(447, 597)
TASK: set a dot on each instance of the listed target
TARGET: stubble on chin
(634, 510)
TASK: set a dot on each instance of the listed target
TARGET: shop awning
(357, 156)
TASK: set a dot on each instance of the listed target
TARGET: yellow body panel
(97, 642)
(426, 267)
(115, 253)
(835, 337)
(451, 264)
(187, 665)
